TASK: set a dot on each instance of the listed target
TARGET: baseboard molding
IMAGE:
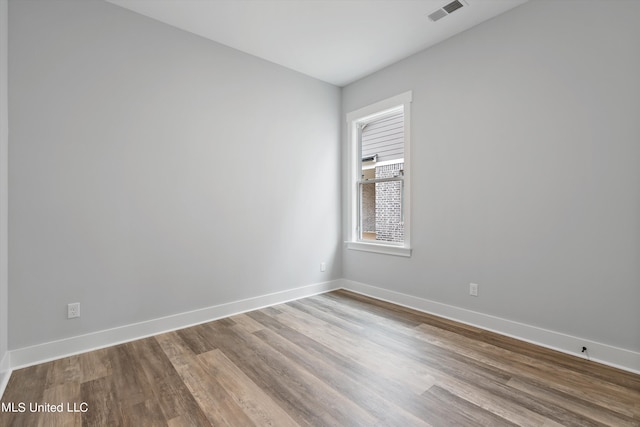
(40, 353)
(5, 371)
(598, 352)
(4, 380)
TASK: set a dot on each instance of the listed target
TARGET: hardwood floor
(337, 359)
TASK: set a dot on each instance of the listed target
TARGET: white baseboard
(4, 380)
(598, 352)
(40, 353)
(5, 371)
(602, 353)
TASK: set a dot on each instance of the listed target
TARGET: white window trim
(365, 114)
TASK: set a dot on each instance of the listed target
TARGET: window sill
(379, 248)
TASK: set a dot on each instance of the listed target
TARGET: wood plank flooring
(337, 359)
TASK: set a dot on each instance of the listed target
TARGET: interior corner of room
(162, 180)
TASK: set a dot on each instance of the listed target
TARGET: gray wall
(154, 172)
(151, 171)
(525, 177)
(4, 185)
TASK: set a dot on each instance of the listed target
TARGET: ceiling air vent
(446, 10)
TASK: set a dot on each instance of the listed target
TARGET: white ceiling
(337, 41)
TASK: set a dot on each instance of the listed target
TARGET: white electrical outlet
(73, 310)
(323, 266)
(473, 289)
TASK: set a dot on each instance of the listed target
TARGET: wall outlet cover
(473, 289)
(73, 310)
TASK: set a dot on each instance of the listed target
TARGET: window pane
(389, 225)
(368, 211)
(381, 214)
(384, 138)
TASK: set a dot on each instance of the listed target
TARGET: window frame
(354, 121)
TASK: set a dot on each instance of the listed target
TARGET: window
(379, 177)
